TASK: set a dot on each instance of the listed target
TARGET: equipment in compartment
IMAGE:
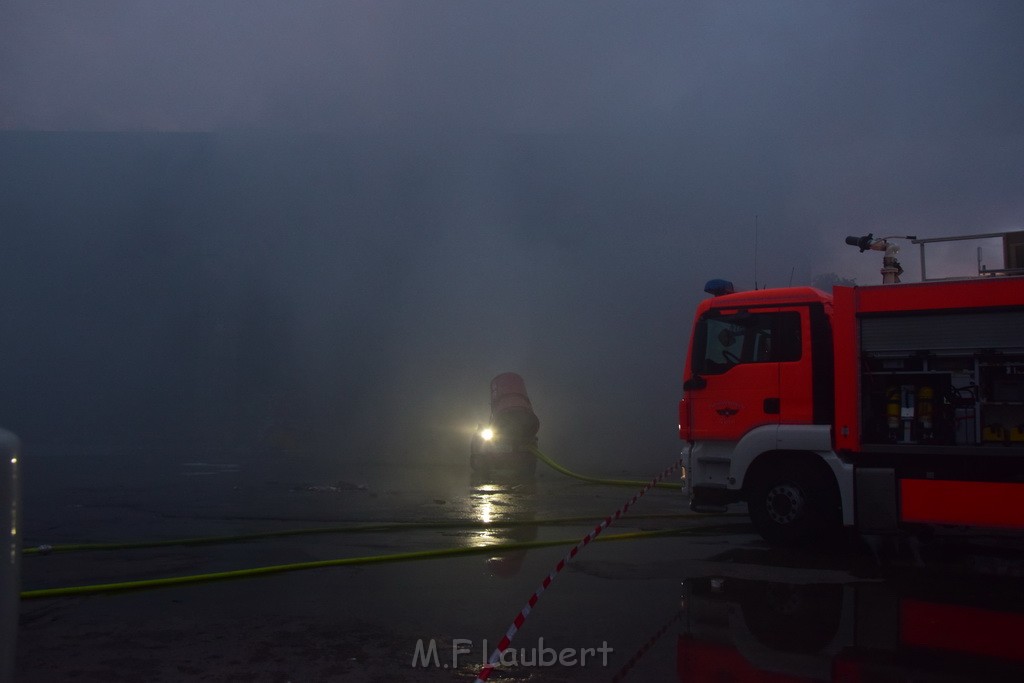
(962, 401)
(908, 408)
(1002, 401)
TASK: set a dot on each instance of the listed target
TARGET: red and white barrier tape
(621, 675)
(517, 623)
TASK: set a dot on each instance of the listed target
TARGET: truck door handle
(771, 406)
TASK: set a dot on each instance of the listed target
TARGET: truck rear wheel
(793, 503)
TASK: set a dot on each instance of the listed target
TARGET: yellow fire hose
(594, 480)
(350, 528)
(346, 561)
(358, 528)
(368, 527)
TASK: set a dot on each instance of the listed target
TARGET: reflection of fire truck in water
(913, 629)
(878, 408)
(506, 442)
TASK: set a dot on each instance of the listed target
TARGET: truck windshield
(722, 341)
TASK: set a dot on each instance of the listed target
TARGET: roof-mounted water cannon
(891, 268)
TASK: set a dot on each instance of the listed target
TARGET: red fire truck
(878, 408)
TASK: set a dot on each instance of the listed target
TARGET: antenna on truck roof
(756, 245)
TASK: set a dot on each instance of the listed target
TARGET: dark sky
(348, 216)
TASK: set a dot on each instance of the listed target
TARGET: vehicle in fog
(506, 441)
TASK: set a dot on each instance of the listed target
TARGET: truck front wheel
(793, 504)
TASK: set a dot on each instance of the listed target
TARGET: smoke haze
(250, 227)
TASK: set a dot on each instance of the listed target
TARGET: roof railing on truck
(1012, 256)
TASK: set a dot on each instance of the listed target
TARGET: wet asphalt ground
(713, 603)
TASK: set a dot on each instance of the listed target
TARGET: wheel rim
(785, 503)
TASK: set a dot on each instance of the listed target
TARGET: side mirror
(695, 382)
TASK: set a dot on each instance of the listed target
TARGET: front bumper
(712, 498)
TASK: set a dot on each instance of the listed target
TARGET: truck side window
(722, 341)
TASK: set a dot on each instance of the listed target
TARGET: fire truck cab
(879, 408)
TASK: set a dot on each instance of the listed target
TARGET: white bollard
(10, 518)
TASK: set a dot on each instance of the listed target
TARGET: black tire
(794, 503)
(793, 618)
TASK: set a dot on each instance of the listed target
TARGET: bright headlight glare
(487, 433)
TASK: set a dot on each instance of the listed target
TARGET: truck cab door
(734, 377)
